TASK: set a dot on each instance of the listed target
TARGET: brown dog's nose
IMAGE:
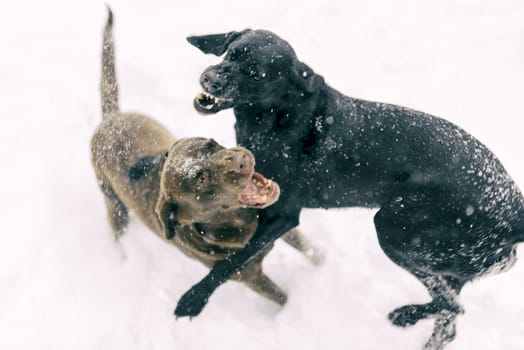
(241, 162)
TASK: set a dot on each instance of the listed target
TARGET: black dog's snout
(212, 82)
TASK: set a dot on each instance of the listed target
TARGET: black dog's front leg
(270, 228)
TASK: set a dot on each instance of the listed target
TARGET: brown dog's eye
(201, 181)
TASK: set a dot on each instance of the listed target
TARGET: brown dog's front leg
(264, 286)
(254, 277)
(296, 239)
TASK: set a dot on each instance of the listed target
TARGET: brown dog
(193, 186)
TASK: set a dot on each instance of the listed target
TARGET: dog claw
(177, 317)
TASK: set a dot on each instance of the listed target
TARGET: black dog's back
(352, 152)
(345, 152)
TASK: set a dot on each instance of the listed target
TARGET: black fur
(448, 211)
(214, 44)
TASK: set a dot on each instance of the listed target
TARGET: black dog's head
(258, 67)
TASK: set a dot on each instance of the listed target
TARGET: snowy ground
(64, 284)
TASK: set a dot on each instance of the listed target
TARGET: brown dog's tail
(108, 83)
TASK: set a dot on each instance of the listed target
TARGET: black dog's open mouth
(207, 103)
(260, 192)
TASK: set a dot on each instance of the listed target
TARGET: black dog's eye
(233, 55)
(254, 73)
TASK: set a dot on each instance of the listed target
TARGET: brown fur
(188, 191)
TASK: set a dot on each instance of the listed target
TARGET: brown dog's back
(118, 143)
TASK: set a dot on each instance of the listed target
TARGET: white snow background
(65, 284)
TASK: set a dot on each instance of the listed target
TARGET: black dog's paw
(193, 301)
(406, 315)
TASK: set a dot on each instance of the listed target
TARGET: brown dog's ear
(305, 78)
(166, 211)
(216, 44)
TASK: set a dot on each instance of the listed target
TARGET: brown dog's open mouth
(207, 103)
(260, 192)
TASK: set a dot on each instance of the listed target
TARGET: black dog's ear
(144, 166)
(305, 78)
(216, 44)
(166, 211)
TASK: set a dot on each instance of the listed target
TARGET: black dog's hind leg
(417, 230)
(444, 306)
(443, 290)
(269, 229)
(444, 331)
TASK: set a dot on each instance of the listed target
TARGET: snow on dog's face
(258, 67)
(202, 177)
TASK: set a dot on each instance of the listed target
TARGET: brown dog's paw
(316, 257)
(119, 233)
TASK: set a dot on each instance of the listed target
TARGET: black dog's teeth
(207, 100)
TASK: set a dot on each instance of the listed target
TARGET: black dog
(448, 211)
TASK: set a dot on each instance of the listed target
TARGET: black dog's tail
(108, 83)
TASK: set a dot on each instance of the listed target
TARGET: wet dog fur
(448, 212)
(191, 192)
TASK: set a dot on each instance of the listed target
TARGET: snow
(64, 283)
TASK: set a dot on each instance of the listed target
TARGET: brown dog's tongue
(260, 192)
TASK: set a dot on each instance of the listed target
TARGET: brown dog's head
(201, 180)
(258, 67)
